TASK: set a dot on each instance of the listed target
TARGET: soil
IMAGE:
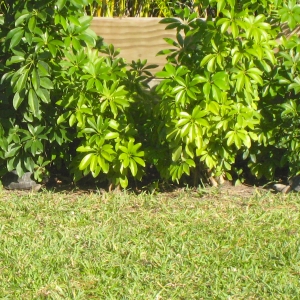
(225, 190)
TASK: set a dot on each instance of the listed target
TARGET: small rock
(12, 181)
(295, 183)
(282, 188)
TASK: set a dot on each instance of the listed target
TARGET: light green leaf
(32, 23)
(133, 167)
(111, 135)
(86, 161)
(17, 100)
(176, 153)
(21, 19)
(123, 182)
(60, 4)
(14, 60)
(221, 80)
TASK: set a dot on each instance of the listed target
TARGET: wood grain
(137, 38)
(143, 38)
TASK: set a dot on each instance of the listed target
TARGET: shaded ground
(226, 190)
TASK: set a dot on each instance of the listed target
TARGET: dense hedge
(228, 103)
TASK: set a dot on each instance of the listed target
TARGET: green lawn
(179, 245)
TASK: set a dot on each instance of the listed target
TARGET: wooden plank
(142, 38)
(137, 38)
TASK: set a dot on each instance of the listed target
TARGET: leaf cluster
(228, 94)
(66, 95)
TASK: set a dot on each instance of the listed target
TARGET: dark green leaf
(33, 102)
(16, 38)
(35, 79)
(21, 81)
(44, 95)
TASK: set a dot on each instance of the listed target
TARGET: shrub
(224, 93)
(66, 107)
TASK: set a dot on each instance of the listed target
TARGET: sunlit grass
(166, 246)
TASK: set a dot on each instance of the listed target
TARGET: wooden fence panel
(137, 38)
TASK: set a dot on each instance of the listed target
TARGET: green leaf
(203, 122)
(72, 120)
(198, 112)
(106, 155)
(113, 124)
(111, 135)
(76, 44)
(20, 85)
(125, 160)
(170, 20)
(46, 83)
(230, 137)
(221, 80)
(36, 147)
(14, 60)
(220, 6)
(237, 141)
(32, 23)
(185, 130)
(63, 117)
(182, 122)
(44, 95)
(16, 38)
(84, 149)
(139, 161)
(74, 20)
(206, 59)
(94, 163)
(12, 151)
(13, 32)
(60, 4)
(133, 167)
(240, 82)
(33, 102)
(123, 182)
(86, 161)
(176, 153)
(211, 66)
(210, 162)
(206, 89)
(104, 165)
(43, 68)
(21, 19)
(89, 40)
(17, 100)
(35, 79)
(190, 162)
(216, 93)
(247, 141)
(213, 106)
